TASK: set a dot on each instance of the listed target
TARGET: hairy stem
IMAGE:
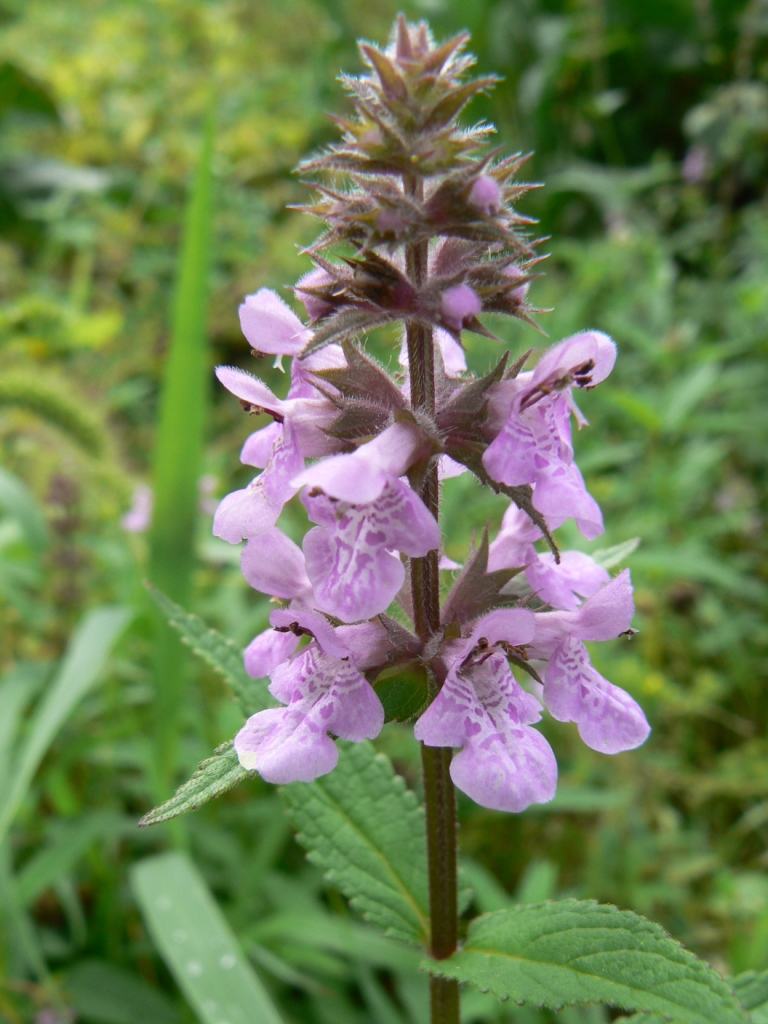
(439, 793)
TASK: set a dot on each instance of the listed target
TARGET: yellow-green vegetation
(650, 125)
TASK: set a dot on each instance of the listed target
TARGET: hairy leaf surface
(573, 951)
(214, 776)
(365, 829)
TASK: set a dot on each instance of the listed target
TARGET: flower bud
(514, 271)
(459, 305)
(485, 194)
(317, 278)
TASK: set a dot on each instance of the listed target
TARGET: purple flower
(485, 194)
(504, 764)
(362, 475)
(560, 585)
(270, 327)
(257, 507)
(529, 419)
(350, 554)
(281, 448)
(608, 719)
(323, 694)
(514, 272)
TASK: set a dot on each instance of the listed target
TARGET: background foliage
(650, 126)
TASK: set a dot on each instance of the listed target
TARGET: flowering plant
(427, 236)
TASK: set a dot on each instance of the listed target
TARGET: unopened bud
(459, 305)
(513, 272)
(317, 278)
(485, 194)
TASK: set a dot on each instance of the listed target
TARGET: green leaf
(643, 1018)
(80, 668)
(71, 843)
(108, 994)
(178, 456)
(197, 945)
(224, 656)
(574, 952)
(186, 385)
(366, 830)
(617, 554)
(214, 776)
(403, 690)
(751, 989)
(16, 499)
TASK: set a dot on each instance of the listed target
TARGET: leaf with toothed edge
(214, 776)
(365, 829)
(223, 656)
(751, 989)
(574, 952)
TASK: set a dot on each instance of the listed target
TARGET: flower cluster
(438, 242)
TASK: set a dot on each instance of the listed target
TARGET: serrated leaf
(476, 590)
(573, 952)
(223, 656)
(751, 990)
(366, 830)
(214, 776)
(643, 1018)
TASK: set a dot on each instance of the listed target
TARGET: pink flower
(529, 419)
(558, 584)
(270, 327)
(323, 694)
(351, 554)
(504, 764)
(608, 719)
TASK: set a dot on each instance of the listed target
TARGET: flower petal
(266, 651)
(270, 326)
(609, 720)
(349, 557)
(323, 695)
(273, 564)
(505, 764)
(574, 352)
(253, 510)
(362, 475)
(249, 389)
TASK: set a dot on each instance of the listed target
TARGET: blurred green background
(650, 128)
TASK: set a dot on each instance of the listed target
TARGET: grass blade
(179, 454)
(84, 660)
(197, 944)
